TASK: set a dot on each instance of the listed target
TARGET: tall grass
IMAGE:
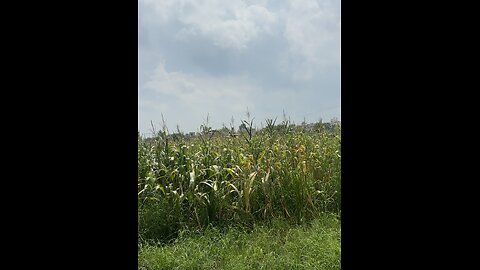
(277, 246)
(278, 172)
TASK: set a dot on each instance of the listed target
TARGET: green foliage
(278, 172)
(277, 246)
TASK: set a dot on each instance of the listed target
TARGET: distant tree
(224, 130)
(242, 127)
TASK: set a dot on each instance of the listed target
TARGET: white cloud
(159, 10)
(228, 24)
(196, 95)
(220, 57)
(192, 88)
(312, 30)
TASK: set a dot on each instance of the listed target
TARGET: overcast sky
(219, 57)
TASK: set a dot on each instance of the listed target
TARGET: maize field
(279, 172)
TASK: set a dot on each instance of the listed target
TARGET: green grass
(278, 245)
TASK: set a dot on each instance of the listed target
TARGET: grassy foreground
(276, 246)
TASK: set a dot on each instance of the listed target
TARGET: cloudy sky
(218, 58)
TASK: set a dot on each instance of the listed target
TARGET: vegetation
(278, 246)
(246, 188)
(276, 172)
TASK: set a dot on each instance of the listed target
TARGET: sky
(217, 58)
